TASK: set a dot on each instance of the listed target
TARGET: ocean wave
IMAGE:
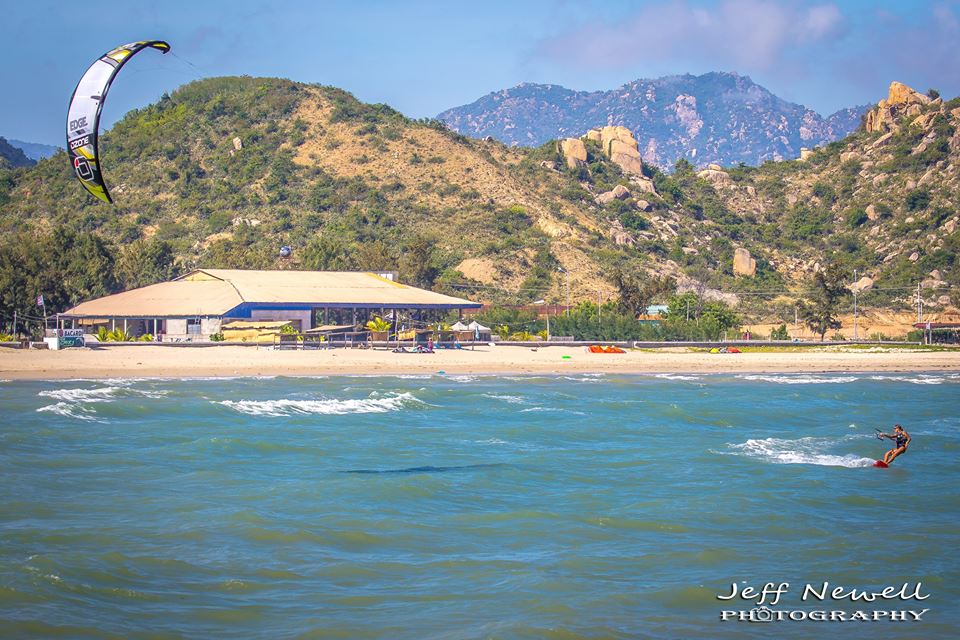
(285, 407)
(585, 377)
(99, 394)
(799, 379)
(918, 379)
(506, 398)
(77, 410)
(676, 376)
(551, 410)
(491, 441)
(79, 403)
(800, 451)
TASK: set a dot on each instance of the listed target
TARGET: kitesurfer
(901, 440)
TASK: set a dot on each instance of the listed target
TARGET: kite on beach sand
(83, 115)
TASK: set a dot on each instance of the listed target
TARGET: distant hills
(722, 118)
(34, 150)
(12, 156)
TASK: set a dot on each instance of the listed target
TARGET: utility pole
(599, 310)
(855, 289)
(567, 273)
(919, 305)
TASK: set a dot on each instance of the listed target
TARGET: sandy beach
(177, 362)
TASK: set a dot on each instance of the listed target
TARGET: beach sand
(225, 360)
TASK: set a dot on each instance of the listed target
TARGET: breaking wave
(79, 403)
(285, 407)
(506, 398)
(799, 379)
(801, 451)
(77, 410)
(922, 378)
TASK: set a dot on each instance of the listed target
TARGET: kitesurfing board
(881, 464)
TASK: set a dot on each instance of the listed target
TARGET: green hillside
(225, 171)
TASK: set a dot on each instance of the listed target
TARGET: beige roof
(214, 292)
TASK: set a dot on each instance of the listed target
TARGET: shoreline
(231, 362)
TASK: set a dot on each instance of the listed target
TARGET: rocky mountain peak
(717, 117)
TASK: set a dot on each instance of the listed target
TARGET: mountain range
(12, 156)
(34, 150)
(717, 117)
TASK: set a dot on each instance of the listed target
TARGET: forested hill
(225, 171)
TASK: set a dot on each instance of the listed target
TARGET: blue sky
(424, 57)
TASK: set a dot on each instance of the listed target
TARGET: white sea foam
(81, 395)
(99, 394)
(505, 398)
(551, 410)
(463, 378)
(284, 407)
(585, 377)
(800, 451)
(676, 376)
(491, 441)
(77, 410)
(919, 379)
(799, 379)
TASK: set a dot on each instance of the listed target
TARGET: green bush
(825, 192)
(856, 218)
(780, 333)
(917, 200)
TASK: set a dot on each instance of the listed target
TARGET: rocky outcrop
(743, 263)
(716, 176)
(574, 152)
(863, 284)
(644, 184)
(619, 192)
(901, 101)
(620, 147)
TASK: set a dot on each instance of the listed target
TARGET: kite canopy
(83, 116)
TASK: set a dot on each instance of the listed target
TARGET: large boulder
(863, 284)
(619, 192)
(717, 177)
(619, 146)
(743, 263)
(574, 152)
(901, 101)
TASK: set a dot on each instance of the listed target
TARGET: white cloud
(750, 35)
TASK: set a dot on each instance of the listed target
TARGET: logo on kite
(83, 115)
(82, 167)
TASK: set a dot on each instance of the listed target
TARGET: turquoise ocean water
(471, 506)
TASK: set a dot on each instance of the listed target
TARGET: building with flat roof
(196, 305)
